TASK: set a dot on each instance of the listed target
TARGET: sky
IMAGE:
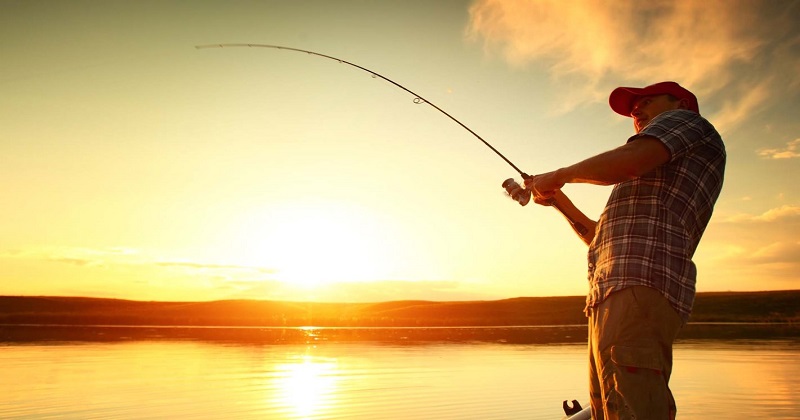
(137, 166)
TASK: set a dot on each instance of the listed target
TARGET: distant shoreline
(717, 307)
(309, 335)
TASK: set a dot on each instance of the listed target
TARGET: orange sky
(136, 166)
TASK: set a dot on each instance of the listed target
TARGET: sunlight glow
(307, 387)
(313, 244)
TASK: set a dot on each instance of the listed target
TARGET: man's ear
(683, 104)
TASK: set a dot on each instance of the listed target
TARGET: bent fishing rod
(513, 189)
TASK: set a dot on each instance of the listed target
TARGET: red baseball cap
(623, 98)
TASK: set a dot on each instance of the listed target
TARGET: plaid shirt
(651, 225)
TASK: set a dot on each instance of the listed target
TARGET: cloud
(125, 257)
(741, 105)
(779, 252)
(84, 257)
(222, 280)
(791, 151)
(591, 46)
(763, 247)
(208, 266)
(783, 215)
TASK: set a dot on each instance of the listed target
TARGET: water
(155, 379)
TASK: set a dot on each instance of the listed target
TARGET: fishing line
(519, 194)
(418, 99)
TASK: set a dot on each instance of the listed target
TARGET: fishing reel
(515, 191)
(523, 197)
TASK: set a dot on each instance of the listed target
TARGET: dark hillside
(771, 306)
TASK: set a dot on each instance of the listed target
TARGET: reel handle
(516, 192)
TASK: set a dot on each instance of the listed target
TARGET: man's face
(648, 107)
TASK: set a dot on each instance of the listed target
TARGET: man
(667, 178)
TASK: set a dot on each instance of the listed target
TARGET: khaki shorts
(630, 355)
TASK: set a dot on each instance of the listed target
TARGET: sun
(309, 244)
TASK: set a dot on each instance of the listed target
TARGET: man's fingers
(543, 201)
(529, 182)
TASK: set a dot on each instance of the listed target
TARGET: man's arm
(624, 163)
(573, 214)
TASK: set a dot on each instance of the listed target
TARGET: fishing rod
(513, 189)
(418, 99)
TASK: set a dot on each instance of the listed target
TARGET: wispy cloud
(120, 257)
(791, 151)
(763, 245)
(740, 105)
(209, 266)
(779, 252)
(783, 214)
(591, 46)
(242, 281)
(79, 256)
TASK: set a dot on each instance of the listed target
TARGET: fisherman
(666, 180)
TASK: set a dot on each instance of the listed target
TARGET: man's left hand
(544, 186)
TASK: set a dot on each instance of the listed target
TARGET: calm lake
(165, 377)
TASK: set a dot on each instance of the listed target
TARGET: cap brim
(622, 98)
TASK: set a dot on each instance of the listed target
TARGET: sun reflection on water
(307, 387)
